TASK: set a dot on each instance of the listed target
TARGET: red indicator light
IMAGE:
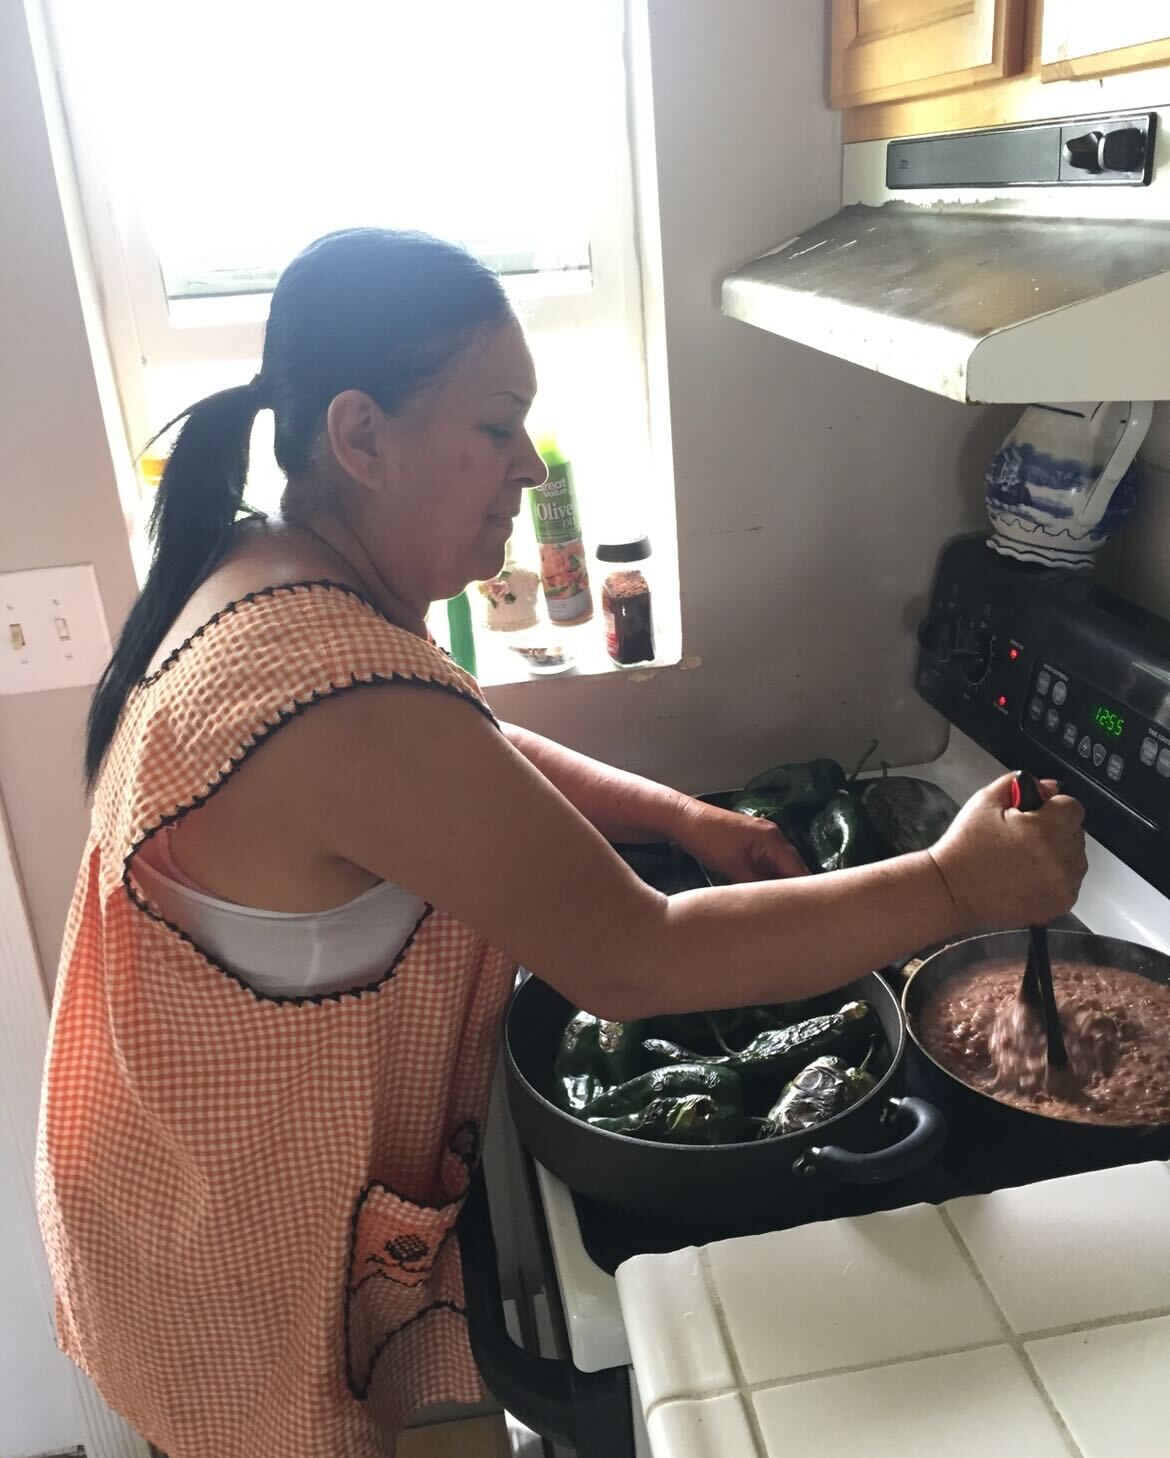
(1002, 701)
(1013, 654)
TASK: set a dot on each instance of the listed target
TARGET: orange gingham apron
(248, 1202)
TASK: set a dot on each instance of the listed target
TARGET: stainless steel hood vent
(979, 303)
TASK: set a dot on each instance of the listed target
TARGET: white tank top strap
(282, 953)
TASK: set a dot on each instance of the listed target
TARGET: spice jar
(625, 602)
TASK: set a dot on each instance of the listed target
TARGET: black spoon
(1036, 989)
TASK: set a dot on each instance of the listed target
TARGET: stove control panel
(1102, 739)
(1052, 674)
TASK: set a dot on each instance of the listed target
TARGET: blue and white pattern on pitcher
(1037, 497)
(1022, 481)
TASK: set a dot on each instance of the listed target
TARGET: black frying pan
(975, 1114)
(882, 1137)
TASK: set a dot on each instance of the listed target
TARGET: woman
(316, 860)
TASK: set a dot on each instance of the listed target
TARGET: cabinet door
(885, 50)
(1086, 38)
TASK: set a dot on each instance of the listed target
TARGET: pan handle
(918, 1146)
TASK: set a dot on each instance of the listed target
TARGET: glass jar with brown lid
(625, 601)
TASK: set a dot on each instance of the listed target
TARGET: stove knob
(1084, 153)
(1123, 150)
(937, 634)
(976, 650)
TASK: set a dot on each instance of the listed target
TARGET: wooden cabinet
(912, 67)
(888, 50)
(1084, 38)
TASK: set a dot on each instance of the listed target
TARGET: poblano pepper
(685, 1119)
(790, 795)
(799, 786)
(721, 1084)
(594, 1056)
(841, 836)
(778, 1052)
(710, 1032)
(905, 814)
(827, 1087)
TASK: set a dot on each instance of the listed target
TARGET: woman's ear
(353, 424)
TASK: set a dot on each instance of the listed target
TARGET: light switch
(57, 635)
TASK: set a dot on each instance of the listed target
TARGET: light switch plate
(53, 631)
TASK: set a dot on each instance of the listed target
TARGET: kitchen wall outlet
(53, 631)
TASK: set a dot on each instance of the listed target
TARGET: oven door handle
(538, 1391)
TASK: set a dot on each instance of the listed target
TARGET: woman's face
(448, 473)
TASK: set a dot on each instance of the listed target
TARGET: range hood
(980, 303)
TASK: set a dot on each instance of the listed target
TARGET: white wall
(1140, 566)
(811, 497)
(38, 1405)
(57, 482)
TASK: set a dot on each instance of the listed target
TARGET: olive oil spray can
(564, 574)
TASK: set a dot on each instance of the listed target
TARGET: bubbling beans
(1116, 1027)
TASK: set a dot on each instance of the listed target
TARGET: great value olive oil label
(564, 574)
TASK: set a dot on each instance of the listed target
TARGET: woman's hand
(737, 847)
(1009, 868)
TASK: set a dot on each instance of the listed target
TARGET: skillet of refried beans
(1116, 1026)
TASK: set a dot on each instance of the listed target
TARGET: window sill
(499, 664)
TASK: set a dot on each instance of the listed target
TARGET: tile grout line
(682, 1398)
(766, 1384)
(1043, 1333)
(1014, 1341)
(746, 1406)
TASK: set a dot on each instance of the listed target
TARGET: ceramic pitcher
(1064, 480)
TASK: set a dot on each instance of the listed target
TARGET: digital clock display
(1109, 720)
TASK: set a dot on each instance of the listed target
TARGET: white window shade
(229, 133)
(464, 120)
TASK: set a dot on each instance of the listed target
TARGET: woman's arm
(421, 789)
(628, 809)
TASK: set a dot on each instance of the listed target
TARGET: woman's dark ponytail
(199, 498)
(368, 309)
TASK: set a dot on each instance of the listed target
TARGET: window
(215, 138)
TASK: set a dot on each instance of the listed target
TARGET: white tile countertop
(1029, 1323)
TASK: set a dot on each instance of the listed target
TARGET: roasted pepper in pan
(828, 1086)
(594, 1055)
(685, 1079)
(710, 1032)
(841, 836)
(797, 786)
(792, 824)
(686, 1119)
(779, 1052)
(905, 814)
(790, 795)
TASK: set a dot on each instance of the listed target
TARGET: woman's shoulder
(278, 624)
(265, 566)
(255, 651)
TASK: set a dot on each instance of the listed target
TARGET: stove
(1033, 669)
